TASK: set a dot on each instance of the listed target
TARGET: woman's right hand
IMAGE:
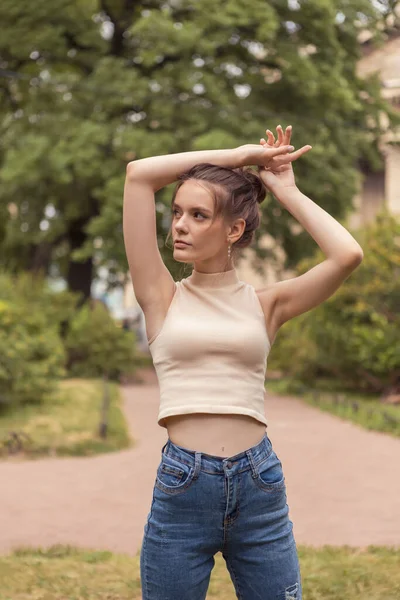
(263, 155)
(274, 162)
(279, 175)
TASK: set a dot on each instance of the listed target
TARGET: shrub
(354, 336)
(32, 355)
(96, 347)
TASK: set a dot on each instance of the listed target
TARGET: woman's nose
(180, 223)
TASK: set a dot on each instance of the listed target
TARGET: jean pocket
(270, 476)
(173, 476)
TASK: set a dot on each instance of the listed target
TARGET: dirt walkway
(343, 483)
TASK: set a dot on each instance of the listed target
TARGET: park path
(343, 483)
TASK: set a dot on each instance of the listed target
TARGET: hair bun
(257, 184)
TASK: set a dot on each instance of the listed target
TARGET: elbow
(130, 169)
(137, 174)
(358, 255)
(354, 258)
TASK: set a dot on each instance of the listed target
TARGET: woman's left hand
(279, 175)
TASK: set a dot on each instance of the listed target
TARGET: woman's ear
(238, 228)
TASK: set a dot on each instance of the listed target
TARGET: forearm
(333, 239)
(160, 171)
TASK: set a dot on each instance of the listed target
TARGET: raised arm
(159, 171)
(152, 281)
(150, 277)
(292, 297)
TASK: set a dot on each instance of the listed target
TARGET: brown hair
(237, 192)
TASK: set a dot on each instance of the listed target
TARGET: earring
(229, 252)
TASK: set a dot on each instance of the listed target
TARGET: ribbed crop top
(210, 355)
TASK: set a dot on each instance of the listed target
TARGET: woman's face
(191, 222)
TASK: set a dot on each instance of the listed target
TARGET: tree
(353, 338)
(88, 86)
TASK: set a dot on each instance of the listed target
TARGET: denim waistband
(216, 464)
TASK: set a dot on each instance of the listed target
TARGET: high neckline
(214, 280)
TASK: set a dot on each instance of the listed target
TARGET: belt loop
(197, 464)
(252, 464)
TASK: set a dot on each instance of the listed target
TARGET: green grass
(68, 573)
(370, 413)
(66, 424)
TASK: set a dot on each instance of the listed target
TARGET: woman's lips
(181, 244)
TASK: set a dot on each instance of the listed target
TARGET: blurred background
(87, 86)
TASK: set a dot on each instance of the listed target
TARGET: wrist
(243, 156)
(285, 193)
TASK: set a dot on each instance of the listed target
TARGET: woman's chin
(182, 260)
(181, 251)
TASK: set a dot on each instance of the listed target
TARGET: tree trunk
(105, 408)
(40, 258)
(80, 274)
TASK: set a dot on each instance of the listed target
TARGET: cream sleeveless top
(210, 355)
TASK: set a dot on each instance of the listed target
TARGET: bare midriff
(217, 434)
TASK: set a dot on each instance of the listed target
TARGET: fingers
(280, 135)
(283, 138)
(279, 149)
(300, 152)
(271, 138)
(283, 141)
(288, 134)
(282, 150)
(293, 155)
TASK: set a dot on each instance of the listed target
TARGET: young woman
(220, 485)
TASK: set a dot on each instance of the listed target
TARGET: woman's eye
(196, 213)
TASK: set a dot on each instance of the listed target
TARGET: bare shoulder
(295, 296)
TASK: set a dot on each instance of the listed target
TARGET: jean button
(229, 464)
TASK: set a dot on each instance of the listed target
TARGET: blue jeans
(204, 504)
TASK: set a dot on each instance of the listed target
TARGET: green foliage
(31, 355)
(33, 292)
(354, 336)
(99, 85)
(97, 347)
(66, 424)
